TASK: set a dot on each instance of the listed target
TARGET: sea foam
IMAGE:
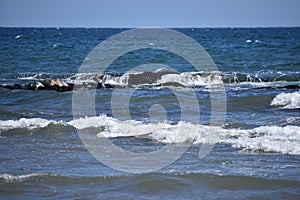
(31, 123)
(287, 100)
(265, 138)
(10, 178)
(278, 139)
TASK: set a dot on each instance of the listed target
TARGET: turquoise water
(256, 154)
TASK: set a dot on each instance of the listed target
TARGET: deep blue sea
(256, 151)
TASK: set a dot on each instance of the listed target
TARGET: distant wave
(287, 100)
(42, 76)
(184, 79)
(284, 140)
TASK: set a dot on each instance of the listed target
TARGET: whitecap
(30, 124)
(190, 79)
(111, 127)
(278, 139)
(287, 100)
(10, 178)
(284, 140)
(29, 77)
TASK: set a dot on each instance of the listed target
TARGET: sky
(149, 13)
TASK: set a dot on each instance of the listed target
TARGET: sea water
(257, 152)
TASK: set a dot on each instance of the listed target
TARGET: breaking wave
(287, 100)
(169, 78)
(284, 140)
(30, 124)
(10, 178)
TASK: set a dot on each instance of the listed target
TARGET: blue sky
(149, 13)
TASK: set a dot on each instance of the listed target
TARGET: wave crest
(265, 138)
(168, 78)
(287, 100)
(10, 178)
(30, 124)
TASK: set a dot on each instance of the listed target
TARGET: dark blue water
(256, 154)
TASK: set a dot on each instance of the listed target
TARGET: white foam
(284, 140)
(116, 80)
(29, 124)
(189, 79)
(9, 178)
(161, 131)
(287, 100)
(265, 138)
(112, 127)
(33, 77)
(185, 132)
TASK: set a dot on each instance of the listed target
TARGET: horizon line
(148, 27)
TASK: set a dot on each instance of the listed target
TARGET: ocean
(164, 108)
